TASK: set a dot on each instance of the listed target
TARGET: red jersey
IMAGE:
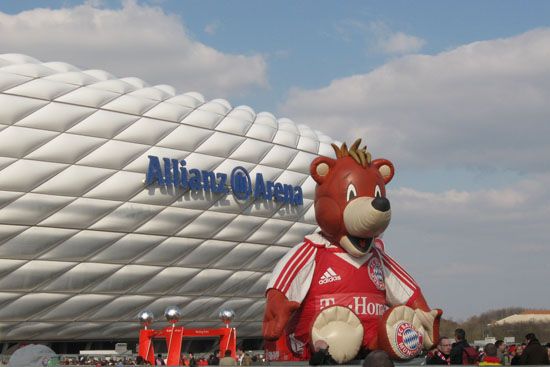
(317, 274)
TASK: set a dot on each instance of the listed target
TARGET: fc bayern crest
(407, 340)
(376, 274)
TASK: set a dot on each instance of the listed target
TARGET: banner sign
(174, 172)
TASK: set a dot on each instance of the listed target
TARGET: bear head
(351, 207)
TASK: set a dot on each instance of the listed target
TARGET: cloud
(483, 105)
(463, 246)
(135, 40)
(401, 43)
(379, 37)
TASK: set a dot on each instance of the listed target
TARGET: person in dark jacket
(534, 352)
(460, 351)
(213, 359)
(516, 355)
(441, 354)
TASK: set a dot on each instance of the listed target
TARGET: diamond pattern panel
(203, 118)
(80, 277)
(81, 213)
(201, 306)
(28, 68)
(49, 117)
(11, 80)
(32, 274)
(185, 138)
(147, 131)
(113, 154)
(127, 248)
(87, 97)
(74, 148)
(208, 252)
(24, 175)
(103, 124)
(206, 224)
(169, 221)
(261, 132)
(127, 277)
(239, 283)
(168, 111)
(74, 181)
(82, 245)
(220, 144)
(130, 104)
(32, 208)
(7, 197)
(75, 76)
(120, 307)
(126, 217)
(42, 89)
(169, 251)
(19, 141)
(167, 279)
(85, 245)
(279, 157)
(28, 305)
(33, 241)
(71, 309)
(121, 186)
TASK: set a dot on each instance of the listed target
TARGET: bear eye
(352, 192)
(377, 192)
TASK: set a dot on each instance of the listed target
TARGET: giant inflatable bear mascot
(339, 285)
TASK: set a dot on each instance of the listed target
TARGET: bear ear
(320, 168)
(385, 168)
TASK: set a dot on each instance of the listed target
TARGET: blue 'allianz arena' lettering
(173, 172)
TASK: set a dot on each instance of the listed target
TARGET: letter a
(154, 171)
(259, 187)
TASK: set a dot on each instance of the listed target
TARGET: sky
(455, 93)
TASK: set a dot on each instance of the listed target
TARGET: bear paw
(341, 329)
(401, 333)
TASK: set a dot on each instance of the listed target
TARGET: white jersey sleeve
(293, 273)
(401, 289)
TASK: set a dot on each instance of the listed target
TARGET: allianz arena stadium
(118, 197)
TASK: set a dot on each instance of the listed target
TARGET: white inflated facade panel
(85, 244)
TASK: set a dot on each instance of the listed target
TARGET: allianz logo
(175, 173)
(329, 276)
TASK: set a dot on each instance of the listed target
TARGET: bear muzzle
(364, 218)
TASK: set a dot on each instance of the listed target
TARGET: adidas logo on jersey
(329, 276)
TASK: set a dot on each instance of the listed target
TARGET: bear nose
(381, 204)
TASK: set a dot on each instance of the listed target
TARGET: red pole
(146, 349)
(174, 345)
(228, 341)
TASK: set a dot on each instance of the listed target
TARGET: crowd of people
(243, 359)
(215, 359)
(460, 352)
(456, 351)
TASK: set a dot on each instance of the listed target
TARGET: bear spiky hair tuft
(360, 155)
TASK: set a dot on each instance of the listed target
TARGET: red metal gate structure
(174, 336)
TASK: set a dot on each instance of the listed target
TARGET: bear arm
(429, 319)
(418, 302)
(278, 310)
